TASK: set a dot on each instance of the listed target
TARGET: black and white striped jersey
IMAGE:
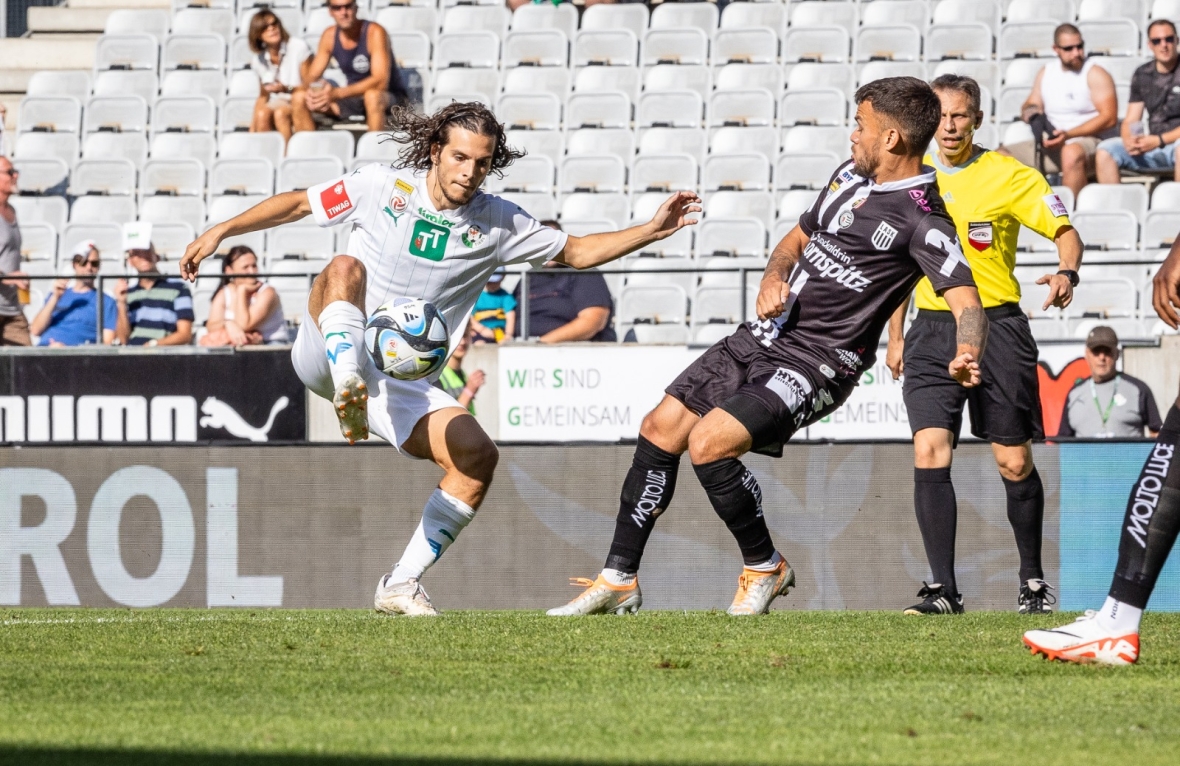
(870, 244)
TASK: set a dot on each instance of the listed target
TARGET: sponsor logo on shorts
(979, 234)
(335, 200)
(1056, 206)
(883, 237)
(791, 387)
(827, 371)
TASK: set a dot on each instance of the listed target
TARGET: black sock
(737, 499)
(938, 515)
(1026, 512)
(1152, 519)
(647, 492)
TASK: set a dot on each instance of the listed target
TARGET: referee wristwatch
(1071, 275)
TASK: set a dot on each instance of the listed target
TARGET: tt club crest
(883, 237)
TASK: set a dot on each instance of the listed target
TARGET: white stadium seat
(171, 238)
(378, 145)
(875, 70)
(48, 210)
(236, 114)
(967, 40)
(475, 48)
(184, 114)
(716, 312)
(206, 82)
(692, 141)
(731, 237)
(54, 114)
(322, 143)
(675, 46)
(596, 174)
(736, 172)
(193, 52)
(610, 207)
(654, 334)
(748, 46)
(598, 110)
(806, 138)
(202, 20)
(773, 16)
(829, 44)
(108, 237)
(1027, 38)
(462, 83)
(913, 12)
(894, 42)
(491, 18)
(411, 49)
(130, 146)
(48, 175)
(720, 271)
(1057, 10)
(180, 178)
(146, 85)
(617, 141)
(633, 17)
(812, 14)
(708, 334)
(600, 79)
(563, 17)
(299, 241)
(402, 18)
(768, 77)
(840, 76)
(539, 205)
(813, 106)
(755, 140)
(38, 242)
(242, 176)
(967, 11)
(163, 209)
(671, 109)
(703, 16)
(1105, 10)
(127, 52)
(540, 47)
(741, 107)
(530, 111)
(1023, 72)
(793, 204)
(198, 146)
(268, 146)
(741, 204)
(1107, 230)
(606, 47)
(527, 79)
(652, 305)
(1111, 37)
(664, 173)
(804, 170)
(103, 176)
(545, 143)
(1105, 197)
(298, 173)
(655, 270)
(148, 21)
(532, 173)
(48, 82)
(63, 146)
(98, 209)
(119, 114)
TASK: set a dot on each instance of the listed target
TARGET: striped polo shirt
(154, 311)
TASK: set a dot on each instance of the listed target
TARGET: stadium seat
(717, 306)
(244, 84)
(184, 82)
(958, 41)
(773, 16)
(606, 47)
(593, 173)
(322, 143)
(403, 18)
(378, 145)
(38, 242)
(808, 75)
(598, 110)
(62, 146)
(48, 82)
(165, 209)
(184, 178)
(489, 18)
(735, 140)
(117, 83)
(804, 170)
(48, 210)
(669, 109)
(539, 205)
(741, 108)
(1023, 72)
(807, 138)
(893, 42)
(915, 13)
(199, 146)
(633, 17)
(1104, 298)
(692, 141)
(563, 17)
(1106, 197)
(171, 238)
(1107, 230)
(293, 290)
(673, 77)
(236, 115)
(476, 49)
(103, 176)
(53, 114)
(223, 207)
(411, 49)
(1012, 97)
(189, 21)
(135, 21)
(813, 106)
(1107, 10)
(1032, 38)
(744, 46)
(645, 204)
(703, 16)
(828, 44)
(127, 52)
(814, 14)
(530, 111)
(1122, 68)
(601, 79)
(528, 174)
(538, 80)
(108, 237)
(654, 334)
(546, 143)
(987, 136)
(616, 141)
(193, 52)
(1165, 9)
(118, 114)
(242, 176)
(1111, 37)
(664, 173)
(644, 271)
(268, 146)
(239, 55)
(741, 204)
(102, 146)
(97, 209)
(184, 114)
(299, 241)
(793, 203)
(48, 175)
(875, 70)
(727, 271)
(736, 172)
(612, 207)
(299, 173)
(466, 82)
(968, 11)
(652, 304)
(675, 46)
(731, 237)
(1057, 10)
(708, 334)
(540, 47)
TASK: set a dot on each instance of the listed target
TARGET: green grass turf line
(312, 688)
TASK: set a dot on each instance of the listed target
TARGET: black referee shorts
(1006, 406)
(773, 392)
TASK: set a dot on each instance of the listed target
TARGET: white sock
(343, 327)
(1118, 617)
(443, 519)
(615, 577)
(768, 565)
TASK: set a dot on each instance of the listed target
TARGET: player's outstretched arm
(597, 249)
(1165, 296)
(276, 211)
(972, 333)
(1069, 258)
(775, 290)
(896, 348)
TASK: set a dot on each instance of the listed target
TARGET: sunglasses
(1170, 39)
(91, 264)
(1102, 351)
(13, 172)
(1072, 48)
(271, 25)
(343, 7)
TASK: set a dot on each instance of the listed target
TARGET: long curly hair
(421, 132)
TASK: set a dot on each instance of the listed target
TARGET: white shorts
(395, 406)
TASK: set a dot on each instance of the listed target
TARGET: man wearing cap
(1109, 403)
(494, 315)
(69, 315)
(158, 311)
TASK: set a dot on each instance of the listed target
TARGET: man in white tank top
(1078, 99)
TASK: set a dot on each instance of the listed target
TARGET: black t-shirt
(556, 296)
(1159, 92)
(870, 244)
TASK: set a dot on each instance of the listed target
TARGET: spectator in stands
(566, 306)
(14, 328)
(1155, 86)
(362, 50)
(158, 311)
(456, 382)
(244, 311)
(1109, 403)
(1073, 106)
(280, 62)
(494, 317)
(70, 313)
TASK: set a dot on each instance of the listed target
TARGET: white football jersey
(411, 249)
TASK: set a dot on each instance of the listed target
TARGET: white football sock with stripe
(443, 519)
(343, 327)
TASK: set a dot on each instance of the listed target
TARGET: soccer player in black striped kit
(828, 291)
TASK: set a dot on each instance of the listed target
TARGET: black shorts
(773, 392)
(1006, 406)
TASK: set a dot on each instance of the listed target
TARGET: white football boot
(406, 598)
(601, 597)
(1085, 641)
(351, 402)
(757, 589)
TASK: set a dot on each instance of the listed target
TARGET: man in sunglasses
(1077, 98)
(70, 312)
(14, 328)
(1155, 86)
(363, 52)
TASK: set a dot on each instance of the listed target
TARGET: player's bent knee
(474, 455)
(706, 444)
(346, 268)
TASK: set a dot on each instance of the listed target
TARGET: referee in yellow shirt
(989, 196)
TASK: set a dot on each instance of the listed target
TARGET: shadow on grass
(112, 757)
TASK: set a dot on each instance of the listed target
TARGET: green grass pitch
(348, 687)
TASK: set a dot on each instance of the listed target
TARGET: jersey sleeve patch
(335, 200)
(1055, 205)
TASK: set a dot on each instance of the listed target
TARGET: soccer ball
(407, 338)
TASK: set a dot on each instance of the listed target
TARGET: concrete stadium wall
(317, 526)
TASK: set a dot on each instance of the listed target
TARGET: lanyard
(1109, 405)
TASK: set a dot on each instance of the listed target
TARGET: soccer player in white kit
(421, 229)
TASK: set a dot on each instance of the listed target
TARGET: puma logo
(218, 414)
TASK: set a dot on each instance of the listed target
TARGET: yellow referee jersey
(989, 198)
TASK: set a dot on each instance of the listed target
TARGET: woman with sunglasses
(244, 310)
(70, 312)
(280, 62)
